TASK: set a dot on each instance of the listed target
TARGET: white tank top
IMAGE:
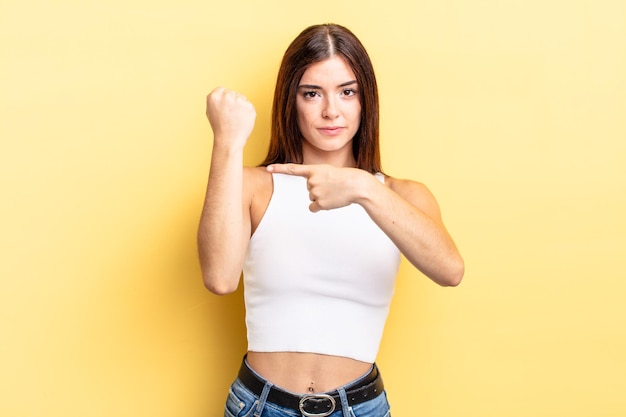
(317, 282)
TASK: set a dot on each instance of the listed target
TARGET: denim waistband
(363, 389)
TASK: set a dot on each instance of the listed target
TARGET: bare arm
(224, 229)
(405, 210)
(409, 214)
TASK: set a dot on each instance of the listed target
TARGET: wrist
(227, 146)
(366, 186)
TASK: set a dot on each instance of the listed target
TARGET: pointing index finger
(290, 169)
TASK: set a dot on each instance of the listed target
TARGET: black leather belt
(315, 405)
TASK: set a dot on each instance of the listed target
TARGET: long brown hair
(317, 43)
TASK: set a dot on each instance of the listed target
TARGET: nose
(330, 110)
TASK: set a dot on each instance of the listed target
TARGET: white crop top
(317, 282)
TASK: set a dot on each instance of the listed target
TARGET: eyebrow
(317, 87)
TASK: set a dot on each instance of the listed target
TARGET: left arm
(409, 214)
(405, 210)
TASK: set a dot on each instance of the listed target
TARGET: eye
(349, 92)
(310, 94)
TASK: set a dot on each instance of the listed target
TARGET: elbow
(454, 276)
(218, 285)
(218, 288)
(218, 277)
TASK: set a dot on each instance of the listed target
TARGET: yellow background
(512, 112)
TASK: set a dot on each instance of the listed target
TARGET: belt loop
(261, 404)
(345, 408)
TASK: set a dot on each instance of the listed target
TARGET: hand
(329, 187)
(231, 116)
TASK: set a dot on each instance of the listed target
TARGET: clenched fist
(231, 116)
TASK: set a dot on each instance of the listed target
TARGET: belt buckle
(306, 398)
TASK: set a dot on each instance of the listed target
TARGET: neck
(343, 158)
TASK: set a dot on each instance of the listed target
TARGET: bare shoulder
(407, 188)
(257, 183)
(257, 187)
(415, 193)
(257, 176)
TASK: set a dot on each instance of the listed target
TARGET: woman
(317, 230)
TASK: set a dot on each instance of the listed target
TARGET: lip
(331, 130)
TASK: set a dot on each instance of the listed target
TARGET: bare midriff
(306, 372)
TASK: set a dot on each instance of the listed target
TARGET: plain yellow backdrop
(512, 112)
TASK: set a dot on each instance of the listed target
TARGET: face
(329, 112)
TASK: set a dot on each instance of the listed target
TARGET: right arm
(224, 230)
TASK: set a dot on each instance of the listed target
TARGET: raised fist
(231, 116)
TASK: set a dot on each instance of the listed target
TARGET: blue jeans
(241, 402)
